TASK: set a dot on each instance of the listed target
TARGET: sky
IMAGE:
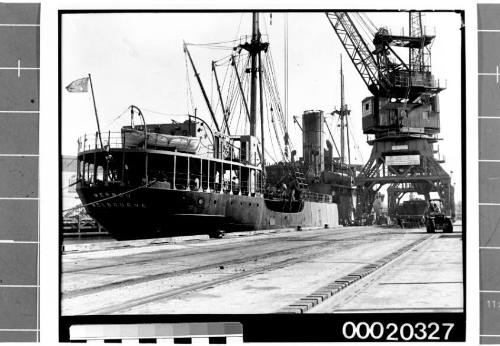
(138, 58)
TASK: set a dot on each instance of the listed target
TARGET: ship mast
(254, 48)
(342, 122)
(254, 51)
(343, 113)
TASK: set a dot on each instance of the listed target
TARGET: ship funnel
(313, 141)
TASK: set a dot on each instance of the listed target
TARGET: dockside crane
(402, 116)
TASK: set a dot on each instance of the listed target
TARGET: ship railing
(316, 197)
(246, 39)
(116, 140)
(276, 194)
(421, 79)
(418, 79)
(201, 183)
(426, 31)
(182, 181)
(89, 142)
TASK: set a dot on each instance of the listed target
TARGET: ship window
(90, 172)
(249, 204)
(100, 173)
(215, 202)
(367, 106)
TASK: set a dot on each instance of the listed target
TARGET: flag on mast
(79, 86)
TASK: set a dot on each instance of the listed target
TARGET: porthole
(215, 202)
(249, 204)
(200, 201)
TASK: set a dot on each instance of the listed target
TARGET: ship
(196, 177)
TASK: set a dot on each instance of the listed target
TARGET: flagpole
(95, 110)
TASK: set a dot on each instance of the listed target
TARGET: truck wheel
(430, 227)
(448, 227)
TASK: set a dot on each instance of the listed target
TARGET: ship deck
(355, 269)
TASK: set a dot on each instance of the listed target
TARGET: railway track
(298, 254)
(317, 245)
(167, 253)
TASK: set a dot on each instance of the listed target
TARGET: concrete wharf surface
(355, 269)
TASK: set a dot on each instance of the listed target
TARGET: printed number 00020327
(395, 332)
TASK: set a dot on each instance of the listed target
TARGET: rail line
(320, 244)
(306, 303)
(181, 253)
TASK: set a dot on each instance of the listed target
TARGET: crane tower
(402, 116)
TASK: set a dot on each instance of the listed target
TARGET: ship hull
(156, 212)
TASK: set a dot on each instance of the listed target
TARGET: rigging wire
(277, 136)
(235, 96)
(165, 114)
(246, 88)
(363, 26)
(367, 33)
(286, 70)
(115, 119)
(275, 91)
(189, 96)
(272, 157)
(228, 66)
(239, 27)
(213, 43)
(275, 101)
(269, 128)
(216, 45)
(269, 91)
(231, 96)
(212, 93)
(356, 146)
(367, 18)
(271, 80)
(246, 91)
